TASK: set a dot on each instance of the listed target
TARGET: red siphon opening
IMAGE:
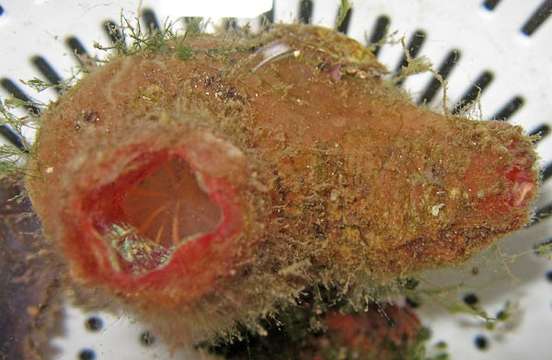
(147, 213)
(168, 205)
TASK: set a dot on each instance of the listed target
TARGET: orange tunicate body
(391, 332)
(219, 184)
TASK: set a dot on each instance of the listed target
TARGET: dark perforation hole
(1, 10)
(115, 34)
(150, 19)
(478, 87)
(444, 70)
(78, 49)
(14, 90)
(93, 323)
(481, 342)
(542, 214)
(343, 24)
(305, 11)
(12, 137)
(380, 31)
(147, 339)
(547, 172)
(490, 4)
(502, 315)
(471, 299)
(267, 18)
(542, 131)
(412, 303)
(76, 45)
(414, 46)
(549, 275)
(510, 108)
(441, 345)
(87, 354)
(537, 18)
(230, 24)
(44, 67)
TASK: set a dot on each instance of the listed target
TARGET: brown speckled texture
(326, 177)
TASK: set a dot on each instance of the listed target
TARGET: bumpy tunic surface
(215, 176)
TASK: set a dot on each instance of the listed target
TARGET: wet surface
(29, 280)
